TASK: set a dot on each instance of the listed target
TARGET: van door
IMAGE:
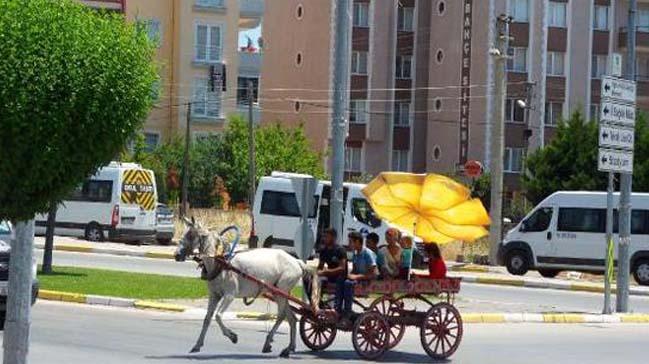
(580, 238)
(537, 231)
(137, 201)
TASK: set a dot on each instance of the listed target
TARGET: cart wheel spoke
(441, 332)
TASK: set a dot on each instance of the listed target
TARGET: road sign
(618, 89)
(473, 169)
(616, 64)
(614, 112)
(615, 136)
(615, 161)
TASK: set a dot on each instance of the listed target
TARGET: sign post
(616, 143)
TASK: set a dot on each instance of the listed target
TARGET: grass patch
(122, 284)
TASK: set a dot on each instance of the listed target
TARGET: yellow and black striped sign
(138, 188)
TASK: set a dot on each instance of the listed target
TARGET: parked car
(165, 228)
(117, 203)
(5, 253)
(567, 231)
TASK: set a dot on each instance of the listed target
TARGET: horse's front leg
(211, 307)
(225, 303)
(281, 315)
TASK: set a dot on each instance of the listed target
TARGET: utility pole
(499, 52)
(527, 106)
(18, 320)
(184, 207)
(609, 245)
(626, 179)
(252, 170)
(341, 79)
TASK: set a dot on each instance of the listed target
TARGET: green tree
(569, 161)
(75, 84)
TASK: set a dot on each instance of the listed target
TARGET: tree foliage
(75, 85)
(569, 161)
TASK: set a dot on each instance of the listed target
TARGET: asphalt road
(71, 334)
(473, 297)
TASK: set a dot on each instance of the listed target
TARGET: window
(643, 20)
(352, 159)
(211, 3)
(582, 220)
(640, 222)
(359, 63)
(151, 141)
(400, 160)
(361, 14)
(405, 20)
(358, 111)
(153, 30)
(520, 11)
(363, 212)
(404, 67)
(557, 14)
(642, 67)
(514, 113)
(93, 191)
(599, 65)
(513, 160)
(594, 112)
(242, 90)
(600, 17)
(555, 63)
(205, 103)
(4, 228)
(539, 221)
(283, 204)
(402, 113)
(553, 113)
(518, 60)
(208, 43)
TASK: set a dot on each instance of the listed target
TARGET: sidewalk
(82, 246)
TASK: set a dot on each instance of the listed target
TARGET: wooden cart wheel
(441, 331)
(316, 333)
(370, 335)
(390, 308)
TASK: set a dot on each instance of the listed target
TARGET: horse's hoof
(195, 350)
(267, 349)
(234, 338)
(285, 353)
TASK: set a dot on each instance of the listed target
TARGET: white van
(277, 215)
(117, 203)
(567, 231)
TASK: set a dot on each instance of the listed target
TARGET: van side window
(283, 204)
(364, 213)
(539, 221)
(640, 222)
(582, 220)
(93, 191)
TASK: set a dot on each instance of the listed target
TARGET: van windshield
(539, 220)
(4, 228)
(364, 213)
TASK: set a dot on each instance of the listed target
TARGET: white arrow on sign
(618, 89)
(615, 136)
(615, 161)
(617, 113)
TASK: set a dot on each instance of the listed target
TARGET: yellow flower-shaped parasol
(436, 207)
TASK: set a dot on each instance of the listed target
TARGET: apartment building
(195, 38)
(421, 83)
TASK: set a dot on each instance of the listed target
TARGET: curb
(108, 301)
(560, 285)
(472, 268)
(110, 251)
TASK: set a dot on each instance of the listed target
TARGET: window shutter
(198, 106)
(201, 42)
(215, 43)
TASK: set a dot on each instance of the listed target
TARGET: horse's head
(189, 244)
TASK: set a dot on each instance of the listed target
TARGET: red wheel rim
(370, 335)
(441, 331)
(390, 308)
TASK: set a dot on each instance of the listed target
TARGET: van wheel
(641, 272)
(549, 273)
(94, 232)
(517, 262)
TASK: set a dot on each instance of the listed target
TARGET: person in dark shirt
(332, 267)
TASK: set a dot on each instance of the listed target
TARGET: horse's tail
(310, 278)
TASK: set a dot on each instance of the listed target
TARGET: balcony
(642, 37)
(250, 13)
(250, 64)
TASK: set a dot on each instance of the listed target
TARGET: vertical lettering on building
(465, 80)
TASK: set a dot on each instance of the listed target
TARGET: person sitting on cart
(372, 243)
(332, 268)
(436, 265)
(406, 257)
(363, 269)
(390, 255)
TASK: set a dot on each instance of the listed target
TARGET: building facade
(192, 36)
(421, 83)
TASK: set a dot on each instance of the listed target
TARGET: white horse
(272, 266)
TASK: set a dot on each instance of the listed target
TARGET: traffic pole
(252, 167)
(185, 184)
(341, 79)
(626, 180)
(609, 245)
